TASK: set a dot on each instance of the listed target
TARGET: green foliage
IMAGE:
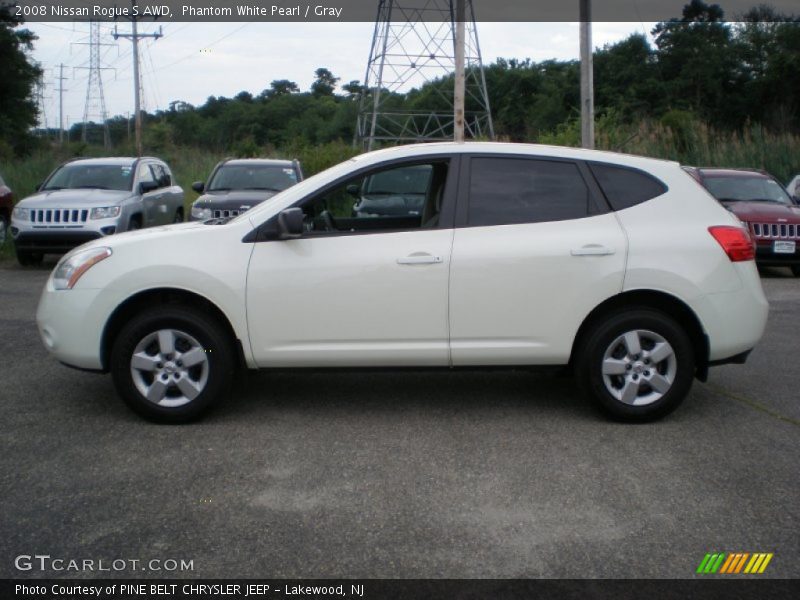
(18, 75)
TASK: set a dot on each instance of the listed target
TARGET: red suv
(6, 204)
(771, 214)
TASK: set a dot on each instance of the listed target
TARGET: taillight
(735, 241)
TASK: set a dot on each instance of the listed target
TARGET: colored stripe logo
(733, 563)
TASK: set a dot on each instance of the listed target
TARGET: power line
(193, 54)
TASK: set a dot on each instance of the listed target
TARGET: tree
(699, 59)
(18, 110)
(324, 84)
(280, 87)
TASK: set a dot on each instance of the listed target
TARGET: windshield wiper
(268, 189)
(90, 187)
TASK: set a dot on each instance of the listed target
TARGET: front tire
(636, 365)
(171, 364)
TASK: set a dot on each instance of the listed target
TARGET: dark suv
(762, 203)
(237, 185)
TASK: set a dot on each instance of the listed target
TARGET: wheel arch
(662, 301)
(163, 296)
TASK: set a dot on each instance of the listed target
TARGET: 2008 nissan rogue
(622, 267)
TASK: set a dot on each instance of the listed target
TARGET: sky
(193, 61)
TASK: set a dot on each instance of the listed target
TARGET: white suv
(622, 267)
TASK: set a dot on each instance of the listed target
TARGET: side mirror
(290, 224)
(198, 186)
(353, 189)
(147, 186)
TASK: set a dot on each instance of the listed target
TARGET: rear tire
(636, 365)
(171, 364)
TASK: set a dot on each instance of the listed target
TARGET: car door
(535, 250)
(356, 291)
(172, 195)
(152, 200)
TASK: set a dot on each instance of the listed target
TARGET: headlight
(105, 212)
(201, 213)
(73, 266)
(21, 214)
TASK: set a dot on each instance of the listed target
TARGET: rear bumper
(734, 321)
(55, 242)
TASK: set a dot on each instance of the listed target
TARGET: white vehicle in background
(621, 267)
(86, 199)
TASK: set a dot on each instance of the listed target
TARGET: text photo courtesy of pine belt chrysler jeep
(86, 199)
(621, 267)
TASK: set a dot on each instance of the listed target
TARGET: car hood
(235, 199)
(81, 197)
(765, 211)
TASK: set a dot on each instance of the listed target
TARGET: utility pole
(587, 76)
(459, 79)
(134, 36)
(61, 91)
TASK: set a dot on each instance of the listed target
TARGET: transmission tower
(413, 44)
(95, 105)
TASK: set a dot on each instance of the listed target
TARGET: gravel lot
(387, 474)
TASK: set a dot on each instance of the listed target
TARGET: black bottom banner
(373, 589)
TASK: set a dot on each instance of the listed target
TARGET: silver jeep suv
(90, 198)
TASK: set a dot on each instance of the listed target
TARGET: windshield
(747, 189)
(102, 177)
(252, 177)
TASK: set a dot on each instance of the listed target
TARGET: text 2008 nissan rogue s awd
(621, 267)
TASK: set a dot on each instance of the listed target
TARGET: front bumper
(766, 256)
(70, 325)
(52, 241)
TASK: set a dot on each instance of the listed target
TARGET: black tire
(178, 216)
(135, 223)
(796, 270)
(26, 258)
(605, 335)
(187, 323)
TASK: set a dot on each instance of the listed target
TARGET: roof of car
(272, 162)
(427, 149)
(719, 172)
(110, 160)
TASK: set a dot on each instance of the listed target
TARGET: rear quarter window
(624, 187)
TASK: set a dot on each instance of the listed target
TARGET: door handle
(419, 259)
(592, 250)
